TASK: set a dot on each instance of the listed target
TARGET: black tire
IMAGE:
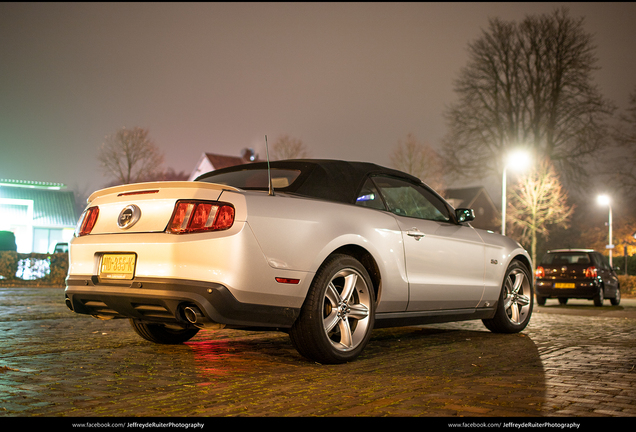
(563, 300)
(516, 300)
(541, 300)
(616, 300)
(162, 334)
(338, 315)
(599, 298)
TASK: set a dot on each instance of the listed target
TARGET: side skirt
(398, 319)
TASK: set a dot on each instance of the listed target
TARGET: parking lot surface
(572, 361)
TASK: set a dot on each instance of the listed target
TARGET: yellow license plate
(117, 266)
(564, 285)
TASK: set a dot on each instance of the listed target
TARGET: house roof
(212, 161)
(465, 197)
(221, 161)
(31, 184)
(51, 207)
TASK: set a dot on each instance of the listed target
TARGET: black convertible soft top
(332, 180)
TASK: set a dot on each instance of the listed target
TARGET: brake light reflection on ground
(216, 357)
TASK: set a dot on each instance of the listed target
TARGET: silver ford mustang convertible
(324, 250)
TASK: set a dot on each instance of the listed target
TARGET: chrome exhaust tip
(192, 314)
(69, 303)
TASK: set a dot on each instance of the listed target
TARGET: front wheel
(163, 334)
(337, 317)
(515, 302)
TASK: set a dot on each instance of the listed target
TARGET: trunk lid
(150, 205)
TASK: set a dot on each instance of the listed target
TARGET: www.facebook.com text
(140, 425)
(517, 425)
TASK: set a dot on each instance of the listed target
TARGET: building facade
(40, 214)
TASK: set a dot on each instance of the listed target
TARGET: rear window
(565, 258)
(255, 178)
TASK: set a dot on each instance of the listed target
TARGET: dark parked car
(61, 248)
(7, 241)
(576, 273)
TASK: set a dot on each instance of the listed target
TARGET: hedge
(628, 285)
(34, 269)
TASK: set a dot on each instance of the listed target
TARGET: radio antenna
(269, 171)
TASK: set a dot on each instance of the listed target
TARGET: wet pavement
(572, 362)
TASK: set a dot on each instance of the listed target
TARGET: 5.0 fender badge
(128, 216)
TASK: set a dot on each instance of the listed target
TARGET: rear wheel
(599, 298)
(515, 302)
(541, 300)
(337, 317)
(616, 300)
(163, 334)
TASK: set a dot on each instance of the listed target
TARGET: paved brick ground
(574, 361)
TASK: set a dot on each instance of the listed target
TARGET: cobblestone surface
(573, 361)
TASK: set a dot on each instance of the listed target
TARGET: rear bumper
(160, 300)
(584, 289)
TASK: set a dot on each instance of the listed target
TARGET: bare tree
(537, 202)
(623, 165)
(287, 147)
(130, 156)
(528, 84)
(168, 174)
(419, 160)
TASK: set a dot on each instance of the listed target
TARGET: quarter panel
(299, 234)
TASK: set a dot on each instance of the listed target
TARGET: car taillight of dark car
(591, 272)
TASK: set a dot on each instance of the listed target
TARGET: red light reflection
(217, 357)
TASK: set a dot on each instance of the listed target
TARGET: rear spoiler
(150, 187)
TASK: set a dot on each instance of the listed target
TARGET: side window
(601, 261)
(369, 197)
(411, 200)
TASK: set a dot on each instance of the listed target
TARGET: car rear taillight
(591, 272)
(200, 216)
(539, 272)
(87, 221)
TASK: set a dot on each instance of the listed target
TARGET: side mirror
(464, 215)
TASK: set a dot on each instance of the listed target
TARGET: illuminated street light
(518, 161)
(604, 200)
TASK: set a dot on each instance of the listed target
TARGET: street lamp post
(605, 200)
(519, 160)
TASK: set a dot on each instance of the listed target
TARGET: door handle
(415, 233)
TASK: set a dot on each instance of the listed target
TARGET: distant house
(478, 199)
(211, 161)
(40, 214)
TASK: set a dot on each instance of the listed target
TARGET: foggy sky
(349, 80)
